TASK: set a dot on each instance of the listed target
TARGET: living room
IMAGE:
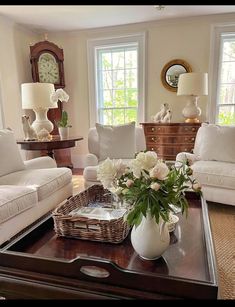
(190, 37)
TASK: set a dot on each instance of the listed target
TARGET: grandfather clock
(47, 64)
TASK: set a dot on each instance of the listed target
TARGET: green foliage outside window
(118, 92)
(226, 118)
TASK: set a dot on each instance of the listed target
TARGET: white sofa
(213, 162)
(28, 189)
(124, 147)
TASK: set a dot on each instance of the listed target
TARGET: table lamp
(37, 96)
(194, 85)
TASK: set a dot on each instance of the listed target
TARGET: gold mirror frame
(170, 64)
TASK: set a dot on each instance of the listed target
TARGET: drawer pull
(192, 139)
(193, 129)
(186, 149)
(159, 128)
(152, 149)
(94, 271)
(152, 129)
(154, 139)
(186, 128)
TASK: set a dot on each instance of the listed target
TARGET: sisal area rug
(222, 219)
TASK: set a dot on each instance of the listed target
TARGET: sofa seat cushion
(45, 181)
(15, 199)
(90, 172)
(215, 173)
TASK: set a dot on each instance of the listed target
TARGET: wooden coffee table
(38, 264)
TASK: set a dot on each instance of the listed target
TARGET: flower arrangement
(61, 95)
(148, 184)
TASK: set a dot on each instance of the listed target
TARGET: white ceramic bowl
(173, 220)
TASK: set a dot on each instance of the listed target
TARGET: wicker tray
(112, 231)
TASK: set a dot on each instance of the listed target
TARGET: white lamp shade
(37, 96)
(193, 83)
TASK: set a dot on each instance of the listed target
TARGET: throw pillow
(217, 143)
(116, 142)
(10, 160)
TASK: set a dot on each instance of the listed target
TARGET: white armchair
(213, 162)
(93, 158)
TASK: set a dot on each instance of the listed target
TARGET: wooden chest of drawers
(168, 139)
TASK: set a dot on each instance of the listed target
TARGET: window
(116, 80)
(223, 87)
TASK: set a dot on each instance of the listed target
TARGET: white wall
(15, 69)
(187, 39)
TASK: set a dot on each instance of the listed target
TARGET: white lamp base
(41, 121)
(191, 111)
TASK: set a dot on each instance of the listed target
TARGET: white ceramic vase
(63, 132)
(149, 239)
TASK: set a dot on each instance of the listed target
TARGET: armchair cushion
(215, 173)
(116, 141)
(215, 143)
(10, 160)
(40, 162)
(91, 160)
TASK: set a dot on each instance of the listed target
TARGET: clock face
(48, 69)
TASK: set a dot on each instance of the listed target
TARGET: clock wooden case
(47, 61)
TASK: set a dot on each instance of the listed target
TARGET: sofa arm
(40, 162)
(91, 160)
(183, 157)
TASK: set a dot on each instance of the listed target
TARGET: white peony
(109, 171)
(144, 160)
(160, 171)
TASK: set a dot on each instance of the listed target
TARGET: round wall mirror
(171, 72)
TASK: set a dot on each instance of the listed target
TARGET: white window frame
(92, 45)
(214, 67)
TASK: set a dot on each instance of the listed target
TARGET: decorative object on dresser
(171, 72)
(159, 117)
(194, 85)
(168, 139)
(37, 96)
